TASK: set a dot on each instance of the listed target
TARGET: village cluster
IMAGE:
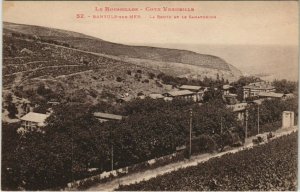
(261, 90)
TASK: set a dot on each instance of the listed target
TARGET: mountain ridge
(97, 45)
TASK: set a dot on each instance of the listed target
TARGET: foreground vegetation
(269, 167)
(76, 141)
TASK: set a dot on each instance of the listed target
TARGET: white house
(32, 121)
(103, 117)
(182, 94)
(254, 89)
(239, 109)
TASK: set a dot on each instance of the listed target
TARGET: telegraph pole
(258, 119)
(72, 155)
(112, 157)
(221, 125)
(246, 125)
(112, 150)
(190, 143)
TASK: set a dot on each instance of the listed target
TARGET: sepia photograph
(150, 96)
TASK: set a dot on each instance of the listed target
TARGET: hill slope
(207, 65)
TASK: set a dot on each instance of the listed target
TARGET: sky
(236, 23)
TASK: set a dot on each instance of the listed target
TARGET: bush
(119, 79)
(12, 110)
(151, 75)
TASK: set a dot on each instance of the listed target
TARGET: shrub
(151, 75)
(119, 79)
(12, 110)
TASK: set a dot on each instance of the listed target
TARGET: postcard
(150, 95)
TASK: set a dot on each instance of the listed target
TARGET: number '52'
(78, 16)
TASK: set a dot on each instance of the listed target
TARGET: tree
(243, 81)
(284, 86)
(73, 142)
(12, 110)
(145, 136)
(213, 117)
(270, 112)
(10, 140)
(212, 94)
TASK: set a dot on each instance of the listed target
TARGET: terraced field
(33, 59)
(29, 62)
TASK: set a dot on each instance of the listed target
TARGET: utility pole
(112, 157)
(246, 125)
(112, 151)
(258, 119)
(72, 155)
(190, 143)
(221, 125)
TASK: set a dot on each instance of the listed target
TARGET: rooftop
(35, 117)
(259, 85)
(238, 107)
(156, 96)
(108, 116)
(258, 101)
(190, 87)
(270, 94)
(227, 87)
(180, 93)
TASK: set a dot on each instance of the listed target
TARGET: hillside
(179, 62)
(72, 74)
(42, 64)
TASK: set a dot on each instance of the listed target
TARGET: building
(103, 117)
(288, 119)
(198, 90)
(253, 89)
(288, 96)
(227, 89)
(239, 109)
(270, 95)
(192, 88)
(228, 94)
(33, 120)
(256, 102)
(181, 94)
(53, 103)
(230, 98)
(156, 96)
